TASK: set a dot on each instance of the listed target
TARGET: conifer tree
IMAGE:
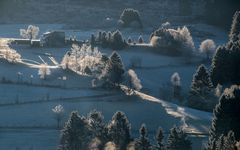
(159, 139)
(142, 143)
(177, 140)
(75, 133)
(226, 116)
(140, 39)
(119, 130)
(201, 83)
(235, 29)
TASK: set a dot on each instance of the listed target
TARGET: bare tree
(43, 71)
(59, 114)
(30, 33)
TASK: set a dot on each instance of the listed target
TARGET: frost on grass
(30, 33)
(43, 71)
(8, 53)
(83, 59)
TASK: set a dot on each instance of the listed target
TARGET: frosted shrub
(30, 33)
(43, 71)
(175, 41)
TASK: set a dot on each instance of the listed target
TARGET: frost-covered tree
(30, 33)
(177, 42)
(110, 146)
(119, 130)
(129, 16)
(235, 29)
(58, 114)
(177, 140)
(117, 41)
(134, 81)
(75, 134)
(226, 116)
(207, 47)
(44, 71)
(129, 40)
(176, 83)
(218, 90)
(143, 143)
(98, 127)
(159, 138)
(8, 53)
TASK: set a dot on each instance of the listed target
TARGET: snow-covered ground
(155, 71)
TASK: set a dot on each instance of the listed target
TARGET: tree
(140, 39)
(30, 33)
(119, 130)
(75, 134)
(201, 83)
(142, 143)
(43, 71)
(134, 81)
(159, 139)
(226, 115)
(207, 46)
(129, 16)
(177, 140)
(114, 70)
(129, 40)
(116, 40)
(235, 28)
(176, 82)
(98, 127)
(227, 142)
(59, 114)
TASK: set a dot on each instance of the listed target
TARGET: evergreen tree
(159, 139)
(142, 143)
(226, 115)
(140, 39)
(119, 130)
(227, 142)
(235, 29)
(129, 40)
(117, 41)
(201, 83)
(75, 134)
(114, 70)
(177, 140)
(130, 15)
(98, 127)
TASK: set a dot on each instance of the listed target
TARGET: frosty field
(29, 106)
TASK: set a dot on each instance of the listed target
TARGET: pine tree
(114, 70)
(226, 142)
(140, 39)
(75, 133)
(117, 41)
(119, 130)
(98, 127)
(142, 143)
(201, 83)
(226, 115)
(159, 139)
(235, 29)
(177, 140)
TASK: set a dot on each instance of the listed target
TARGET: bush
(129, 16)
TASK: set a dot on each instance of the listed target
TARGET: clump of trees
(130, 16)
(225, 68)
(177, 42)
(225, 131)
(208, 48)
(201, 95)
(112, 40)
(30, 33)
(92, 132)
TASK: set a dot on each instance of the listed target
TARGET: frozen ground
(156, 70)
